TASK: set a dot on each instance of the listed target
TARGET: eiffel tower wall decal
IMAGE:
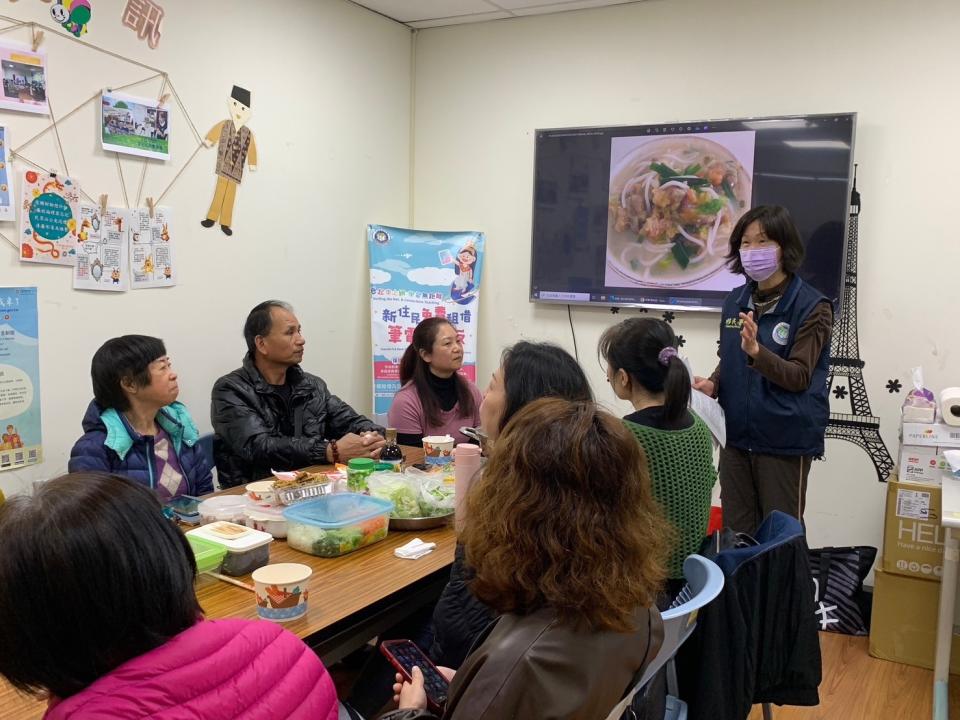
(860, 426)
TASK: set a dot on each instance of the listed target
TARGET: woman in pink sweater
(435, 398)
(96, 595)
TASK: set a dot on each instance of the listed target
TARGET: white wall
(482, 90)
(330, 87)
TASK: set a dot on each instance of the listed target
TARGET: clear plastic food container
(230, 508)
(337, 524)
(247, 549)
(267, 519)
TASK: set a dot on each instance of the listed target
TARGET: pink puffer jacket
(216, 670)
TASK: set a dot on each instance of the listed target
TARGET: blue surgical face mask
(760, 263)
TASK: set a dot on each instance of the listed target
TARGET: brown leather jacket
(533, 668)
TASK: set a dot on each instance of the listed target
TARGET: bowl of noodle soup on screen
(673, 203)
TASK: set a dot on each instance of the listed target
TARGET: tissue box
(922, 464)
(930, 435)
(912, 534)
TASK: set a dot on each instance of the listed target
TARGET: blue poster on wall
(415, 275)
(20, 439)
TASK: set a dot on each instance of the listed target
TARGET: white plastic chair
(704, 583)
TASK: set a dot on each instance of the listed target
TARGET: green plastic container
(209, 555)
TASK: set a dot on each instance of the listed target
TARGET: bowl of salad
(420, 501)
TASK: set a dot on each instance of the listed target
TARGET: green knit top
(682, 476)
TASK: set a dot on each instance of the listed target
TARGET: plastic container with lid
(357, 471)
(337, 524)
(209, 554)
(267, 519)
(229, 508)
(247, 549)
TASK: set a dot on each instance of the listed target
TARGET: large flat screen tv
(642, 215)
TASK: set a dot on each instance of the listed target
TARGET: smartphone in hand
(404, 655)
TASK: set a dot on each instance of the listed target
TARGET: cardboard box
(922, 464)
(930, 435)
(912, 534)
(903, 625)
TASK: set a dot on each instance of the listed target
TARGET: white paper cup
(438, 449)
(281, 591)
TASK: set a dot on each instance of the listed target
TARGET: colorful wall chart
(102, 249)
(152, 261)
(48, 221)
(414, 276)
(20, 439)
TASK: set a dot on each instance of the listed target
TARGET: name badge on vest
(781, 332)
(733, 323)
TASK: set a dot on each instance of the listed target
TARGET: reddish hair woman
(568, 546)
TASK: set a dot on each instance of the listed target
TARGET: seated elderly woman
(135, 427)
(97, 597)
(568, 547)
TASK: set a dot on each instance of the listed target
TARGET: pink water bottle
(466, 463)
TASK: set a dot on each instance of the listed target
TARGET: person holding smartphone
(568, 548)
(772, 377)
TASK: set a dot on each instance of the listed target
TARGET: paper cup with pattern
(438, 449)
(281, 591)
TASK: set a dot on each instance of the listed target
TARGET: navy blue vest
(761, 416)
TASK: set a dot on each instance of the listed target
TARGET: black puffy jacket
(459, 618)
(256, 431)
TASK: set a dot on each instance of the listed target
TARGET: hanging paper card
(151, 249)
(133, 125)
(102, 249)
(48, 221)
(24, 79)
(6, 187)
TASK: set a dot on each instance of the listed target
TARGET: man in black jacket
(270, 414)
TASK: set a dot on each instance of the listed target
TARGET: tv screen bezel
(838, 301)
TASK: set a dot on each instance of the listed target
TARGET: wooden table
(352, 598)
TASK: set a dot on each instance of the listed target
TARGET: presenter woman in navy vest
(772, 377)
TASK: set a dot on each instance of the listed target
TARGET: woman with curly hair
(568, 547)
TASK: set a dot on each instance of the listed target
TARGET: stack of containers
(907, 580)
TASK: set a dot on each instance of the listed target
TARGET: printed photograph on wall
(673, 203)
(24, 79)
(136, 126)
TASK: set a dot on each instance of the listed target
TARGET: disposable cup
(438, 449)
(281, 591)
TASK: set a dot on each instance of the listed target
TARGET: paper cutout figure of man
(235, 147)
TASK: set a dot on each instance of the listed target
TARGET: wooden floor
(856, 686)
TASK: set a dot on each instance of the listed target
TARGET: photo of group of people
(24, 79)
(136, 126)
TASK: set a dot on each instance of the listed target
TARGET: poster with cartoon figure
(7, 210)
(48, 218)
(152, 261)
(102, 249)
(20, 440)
(414, 276)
